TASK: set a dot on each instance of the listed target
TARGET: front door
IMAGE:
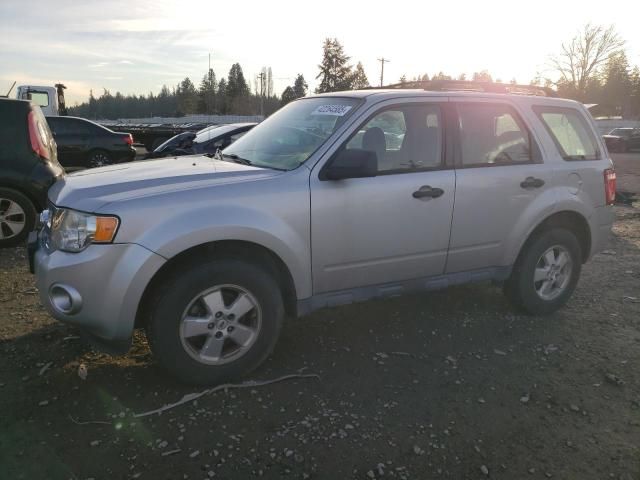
(395, 226)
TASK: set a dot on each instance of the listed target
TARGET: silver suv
(334, 199)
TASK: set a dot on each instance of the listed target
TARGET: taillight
(128, 139)
(610, 186)
(37, 137)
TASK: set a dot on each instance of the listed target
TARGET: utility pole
(262, 79)
(382, 62)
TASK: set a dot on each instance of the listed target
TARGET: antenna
(9, 92)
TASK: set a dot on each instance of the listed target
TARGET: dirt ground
(450, 384)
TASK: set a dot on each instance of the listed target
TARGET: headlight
(74, 231)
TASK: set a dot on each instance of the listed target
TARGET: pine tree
(617, 83)
(359, 79)
(221, 97)
(300, 86)
(288, 95)
(187, 97)
(207, 93)
(335, 71)
(236, 83)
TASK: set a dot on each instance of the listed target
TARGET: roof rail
(471, 86)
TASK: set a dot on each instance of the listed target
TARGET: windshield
(290, 136)
(620, 132)
(211, 132)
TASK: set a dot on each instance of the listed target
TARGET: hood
(88, 190)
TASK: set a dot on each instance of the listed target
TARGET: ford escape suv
(334, 199)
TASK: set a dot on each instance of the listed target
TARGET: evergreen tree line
(610, 82)
(231, 95)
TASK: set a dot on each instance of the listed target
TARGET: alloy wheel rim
(99, 160)
(220, 324)
(12, 219)
(553, 272)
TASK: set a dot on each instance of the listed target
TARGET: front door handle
(531, 182)
(427, 191)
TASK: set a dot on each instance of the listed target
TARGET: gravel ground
(450, 384)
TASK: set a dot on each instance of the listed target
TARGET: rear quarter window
(570, 132)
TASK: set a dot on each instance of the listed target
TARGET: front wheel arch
(254, 253)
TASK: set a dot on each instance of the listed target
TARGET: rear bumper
(97, 290)
(601, 223)
(125, 155)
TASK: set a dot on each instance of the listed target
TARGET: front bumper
(104, 283)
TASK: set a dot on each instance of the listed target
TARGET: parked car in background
(623, 139)
(28, 167)
(83, 143)
(207, 140)
(442, 188)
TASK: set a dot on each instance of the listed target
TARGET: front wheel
(216, 321)
(546, 273)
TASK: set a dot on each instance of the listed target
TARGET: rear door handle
(531, 182)
(427, 191)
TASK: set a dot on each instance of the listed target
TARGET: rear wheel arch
(242, 250)
(569, 220)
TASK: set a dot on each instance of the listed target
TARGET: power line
(382, 62)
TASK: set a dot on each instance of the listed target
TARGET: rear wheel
(216, 321)
(98, 158)
(546, 273)
(17, 217)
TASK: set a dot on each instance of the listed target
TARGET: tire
(17, 217)
(182, 322)
(98, 158)
(533, 297)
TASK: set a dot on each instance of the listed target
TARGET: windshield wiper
(235, 158)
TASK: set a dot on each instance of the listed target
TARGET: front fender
(236, 223)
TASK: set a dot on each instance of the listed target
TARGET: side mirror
(354, 163)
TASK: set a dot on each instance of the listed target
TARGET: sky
(136, 46)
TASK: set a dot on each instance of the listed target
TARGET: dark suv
(83, 143)
(28, 167)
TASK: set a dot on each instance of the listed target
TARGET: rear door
(387, 229)
(499, 173)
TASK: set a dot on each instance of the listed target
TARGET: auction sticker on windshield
(336, 110)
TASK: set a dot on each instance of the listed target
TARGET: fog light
(65, 299)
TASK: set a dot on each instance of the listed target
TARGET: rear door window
(491, 135)
(570, 132)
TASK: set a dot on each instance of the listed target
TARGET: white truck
(50, 99)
